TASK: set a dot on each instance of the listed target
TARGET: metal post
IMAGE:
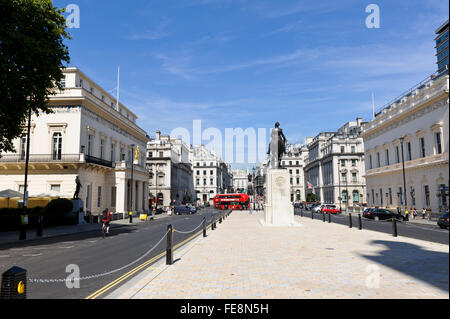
(39, 226)
(169, 249)
(213, 222)
(350, 221)
(404, 173)
(204, 227)
(329, 218)
(23, 230)
(323, 216)
(394, 227)
(359, 222)
(312, 215)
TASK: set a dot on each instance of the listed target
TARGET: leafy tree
(32, 54)
(310, 198)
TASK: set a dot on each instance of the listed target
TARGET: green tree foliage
(32, 54)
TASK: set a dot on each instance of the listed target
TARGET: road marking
(5, 256)
(31, 255)
(135, 270)
(69, 247)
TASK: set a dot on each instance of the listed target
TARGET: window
(390, 196)
(342, 163)
(353, 149)
(397, 155)
(204, 173)
(387, 158)
(23, 147)
(378, 160)
(81, 83)
(90, 145)
(438, 143)
(99, 197)
(355, 196)
(63, 82)
(353, 163)
(292, 181)
(161, 154)
(400, 195)
(57, 146)
(150, 154)
(211, 181)
(290, 171)
(381, 197)
(113, 153)
(55, 188)
(113, 196)
(370, 162)
(342, 149)
(422, 147)
(204, 181)
(298, 181)
(344, 177)
(102, 149)
(344, 196)
(408, 146)
(297, 163)
(198, 181)
(297, 171)
(211, 172)
(290, 163)
(354, 177)
(427, 195)
(198, 173)
(373, 197)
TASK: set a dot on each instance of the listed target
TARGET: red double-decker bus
(232, 201)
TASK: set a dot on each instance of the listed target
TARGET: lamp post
(402, 139)
(344, 171)
(23, 232)
(132, 182)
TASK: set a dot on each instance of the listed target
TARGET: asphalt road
(431, 233)
(102, 260)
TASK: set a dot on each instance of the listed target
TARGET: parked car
(193, 209)
(443, 221)
(317, 209)
(380, 213)
(184, 209)
(330, 209)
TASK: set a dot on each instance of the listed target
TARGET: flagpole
(118, 87)
(373, 105)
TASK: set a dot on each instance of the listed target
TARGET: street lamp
(345, 171)
(132, 168)
(402, 139)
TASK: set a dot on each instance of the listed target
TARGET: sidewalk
(243, 260)
(13, 237)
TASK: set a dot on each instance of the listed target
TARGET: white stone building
(87, 135)
(335, 166)
(294, 162)
(211, 174)
(414, 130)
(171, 174)
(240, 180)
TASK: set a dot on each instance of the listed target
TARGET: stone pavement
(13, 237)
(241, 259)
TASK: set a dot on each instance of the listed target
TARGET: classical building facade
(294, 162)
(88, 135)
(414, 130)
(170, 171)
(442, 47)
(211, 175)
(240, 180)
(335, 166)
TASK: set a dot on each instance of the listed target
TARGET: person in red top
(106, 218)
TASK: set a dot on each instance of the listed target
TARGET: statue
(277, 146)
(78, 187)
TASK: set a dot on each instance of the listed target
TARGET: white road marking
(31, 255)
(66, 247)
(5, 256)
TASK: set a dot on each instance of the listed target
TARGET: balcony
(54, 159)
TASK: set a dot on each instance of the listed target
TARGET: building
(88, 135)
(442, 47)
(413, 130)
(294, 162)
(240, 180)
(211, 175)
(335, 166)
(170, 171)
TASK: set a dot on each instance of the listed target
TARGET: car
(443, 221)
(380, 214)
(330, 209)
(318, 208)
(181, 210)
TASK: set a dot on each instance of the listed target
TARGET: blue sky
(311, 65)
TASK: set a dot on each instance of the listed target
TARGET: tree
(311, 198)
(32, 55)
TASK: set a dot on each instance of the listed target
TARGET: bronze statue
(78, 187)
(277, 146)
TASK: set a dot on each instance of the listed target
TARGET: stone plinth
(278, 210)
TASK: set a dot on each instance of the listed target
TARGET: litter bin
(14, 284)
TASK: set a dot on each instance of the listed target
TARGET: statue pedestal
(279, 210)
(78, 210)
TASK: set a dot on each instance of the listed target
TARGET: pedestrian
(414, 213)
(407, 214)
(424, 213)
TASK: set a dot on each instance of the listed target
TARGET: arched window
(355, 196)
(57, 147)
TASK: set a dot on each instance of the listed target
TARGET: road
(101, 260)
(431, 233)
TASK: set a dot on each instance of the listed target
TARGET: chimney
(158, 135)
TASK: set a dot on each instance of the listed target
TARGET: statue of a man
(78, 187)
(277, 147)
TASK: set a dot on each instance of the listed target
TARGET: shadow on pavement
(428, 266)
(90, 234)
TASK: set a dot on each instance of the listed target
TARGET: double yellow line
(114, 283)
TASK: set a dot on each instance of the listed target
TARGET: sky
(310, 65)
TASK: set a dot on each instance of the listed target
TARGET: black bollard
(39, 226)
(394, 227)
(220, 218)
(212, 223)
(329, 218)
(204, 227)
(312, 215)
(169, 249)
(359, 222)
(131, 217)
(350, 221)
(301, 212)
(323, 217)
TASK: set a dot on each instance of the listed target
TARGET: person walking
(407, 214)
(424, 213)
(414, 213)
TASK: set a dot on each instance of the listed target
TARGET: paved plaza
(241, 259)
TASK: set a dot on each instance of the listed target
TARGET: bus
(232, 201)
